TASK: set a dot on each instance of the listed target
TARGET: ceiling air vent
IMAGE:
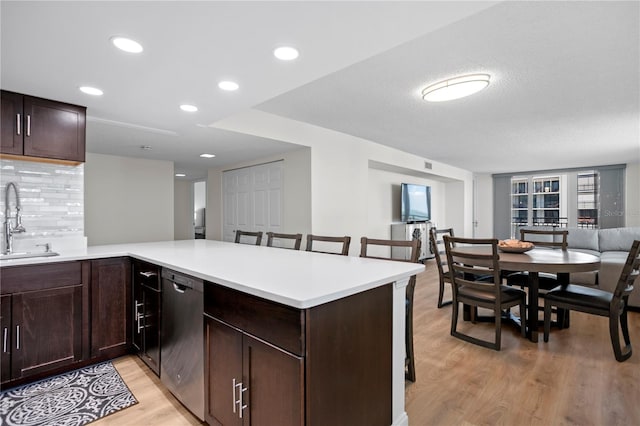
(428, 165)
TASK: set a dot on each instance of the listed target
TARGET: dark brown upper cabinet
(39, 128)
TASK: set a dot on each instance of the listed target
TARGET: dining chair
(474, 271)
(555, 239)
(552, 239)
(344, 241)
(414, 247)
(295, 239)
(244, 235)
(437, 246)
(600, 302)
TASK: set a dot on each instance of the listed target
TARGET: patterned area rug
(75, 398)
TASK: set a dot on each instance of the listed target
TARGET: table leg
(532, 310)
(563, 315)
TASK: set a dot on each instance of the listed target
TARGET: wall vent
(428, 165)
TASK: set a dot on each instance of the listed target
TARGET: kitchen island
(299, 281)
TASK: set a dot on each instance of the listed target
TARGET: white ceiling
(565, 90)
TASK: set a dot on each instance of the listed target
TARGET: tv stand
(409, 231)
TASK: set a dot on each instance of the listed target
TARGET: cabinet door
(151, 325)
(12, 123)
(223, 370)
(111, 307)
(5, 325)
(137, 338)
(54, 129)
(275, 390)
(47, 330)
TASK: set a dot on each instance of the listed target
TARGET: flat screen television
(416, 203)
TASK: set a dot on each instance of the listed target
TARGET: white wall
(295, 191)
(383, 198)
(183, 210)
(484, 206)
(128, 199)
(340, 163)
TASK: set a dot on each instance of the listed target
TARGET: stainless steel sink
(25, 255)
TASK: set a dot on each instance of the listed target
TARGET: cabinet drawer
(280, 325)
(19, 279)
(147, 274)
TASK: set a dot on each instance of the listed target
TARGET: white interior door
(252, 199)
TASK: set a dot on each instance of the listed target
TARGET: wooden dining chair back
(414, 252)
(329, 241)
(474, 271)
(243, 236)
(600, 302)
(440, 256)
(288, 241)
(555, 239)
(546, 238)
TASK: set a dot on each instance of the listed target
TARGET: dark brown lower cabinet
(44, 318)
(5, 324)
(147, 312)
(260, 384)
(110, 307)
(272, 364)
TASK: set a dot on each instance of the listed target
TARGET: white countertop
(295, 278)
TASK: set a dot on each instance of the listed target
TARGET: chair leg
(621, 353)
(454, 317)
(441, 294)
(523, 318)
(498, 315)
(411, 368)
(547, 319)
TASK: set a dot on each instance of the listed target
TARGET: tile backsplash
(52, 201)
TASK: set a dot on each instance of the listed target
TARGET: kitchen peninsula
(339, 318)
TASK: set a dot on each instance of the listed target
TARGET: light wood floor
(572, 380)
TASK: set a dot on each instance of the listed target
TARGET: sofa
(612, 246)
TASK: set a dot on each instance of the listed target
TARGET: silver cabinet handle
(28, 125)
(17, 337)
(234, 385)
(18, 124)
(5, 336)
(148, 274)
(242, 406)
(139, 316)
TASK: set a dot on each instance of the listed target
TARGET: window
(538, 201)
(588, 204)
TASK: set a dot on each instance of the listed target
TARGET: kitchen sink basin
(25, 255)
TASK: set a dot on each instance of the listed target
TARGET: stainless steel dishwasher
(182, 350)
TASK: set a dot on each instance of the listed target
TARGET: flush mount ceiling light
(207, 155)
(286, 53)
(455, 88)
(229, 86)
(126, 44)
(180, 175)
(91, 91)
(188, 108)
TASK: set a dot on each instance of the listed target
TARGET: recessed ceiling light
(207, 155)
(91, 91)
(188, 108)
(229, 86)
(126, 44)
(180, 175)
(455, 88)
(286, 53)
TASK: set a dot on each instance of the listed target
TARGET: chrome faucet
(10, 229)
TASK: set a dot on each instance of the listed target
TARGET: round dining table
(536, 260)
